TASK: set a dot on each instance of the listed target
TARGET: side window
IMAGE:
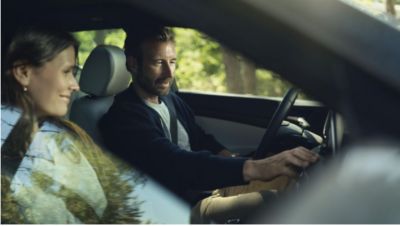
(203, 64)
(206, 66)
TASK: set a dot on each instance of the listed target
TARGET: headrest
(104, 72)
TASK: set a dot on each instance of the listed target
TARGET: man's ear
(23, 74)
(132, 64)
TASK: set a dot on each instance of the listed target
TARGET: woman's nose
(74, 86)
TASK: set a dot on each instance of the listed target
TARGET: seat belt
(173, 121)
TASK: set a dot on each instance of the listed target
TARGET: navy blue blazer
(134, 131)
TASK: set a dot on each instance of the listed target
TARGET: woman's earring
(25, 89)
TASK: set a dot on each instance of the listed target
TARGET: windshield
(387, 11)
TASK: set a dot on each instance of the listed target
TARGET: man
(137, 126)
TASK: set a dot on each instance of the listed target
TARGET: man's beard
(150, 88)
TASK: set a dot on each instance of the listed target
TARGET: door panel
(239, 138)
(255, 111)
(158, 205)
(239, 122)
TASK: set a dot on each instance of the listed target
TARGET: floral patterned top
(54, 182)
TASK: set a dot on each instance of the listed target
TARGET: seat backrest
(103, 76)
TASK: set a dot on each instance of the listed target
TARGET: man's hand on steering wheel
(286, 163)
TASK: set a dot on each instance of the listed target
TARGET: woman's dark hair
(34, 47)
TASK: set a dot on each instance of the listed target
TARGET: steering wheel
(275, 123)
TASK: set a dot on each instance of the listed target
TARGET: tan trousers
(228, 205)
(233, 209)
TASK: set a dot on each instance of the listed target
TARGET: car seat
(104, 75)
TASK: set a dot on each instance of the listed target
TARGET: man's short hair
(136, 37)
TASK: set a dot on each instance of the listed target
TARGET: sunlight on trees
(204, 65)
(199, 62)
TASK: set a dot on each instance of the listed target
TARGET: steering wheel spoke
(275, 123)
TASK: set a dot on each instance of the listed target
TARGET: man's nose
(169, 70)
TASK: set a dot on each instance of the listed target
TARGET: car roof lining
(76, 15)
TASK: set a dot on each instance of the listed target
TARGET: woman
(52, 172)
